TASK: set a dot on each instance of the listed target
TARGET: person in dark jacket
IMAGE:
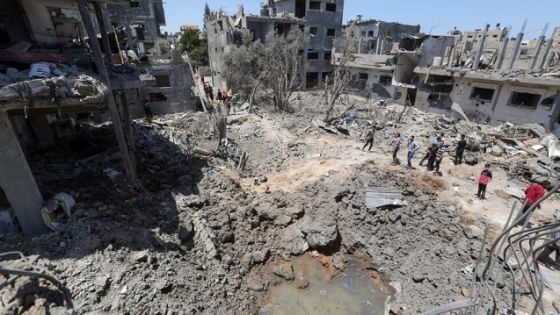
(460, 151)
(485, 178)
(431, 156)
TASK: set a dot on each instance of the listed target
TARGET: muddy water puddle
(352, 292)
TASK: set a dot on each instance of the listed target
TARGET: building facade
(323, 20)
(142, 20)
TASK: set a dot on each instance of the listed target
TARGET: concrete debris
(202, 238)
(65, 88)
(58, 210)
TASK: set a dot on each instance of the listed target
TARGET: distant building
(374, 63)
(225, 31)
(322, 18)
(190, 27)
(494, 78)
(141, 19)
(379, 37)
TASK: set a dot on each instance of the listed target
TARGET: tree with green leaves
(196, 47)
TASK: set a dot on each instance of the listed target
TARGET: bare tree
(275, 66)
(282, 64)
(337, 83)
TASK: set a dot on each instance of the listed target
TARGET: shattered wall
(173, 90)
(497, 109)
(54, 22)
(326, 22)
(220, 37)
(145, 13)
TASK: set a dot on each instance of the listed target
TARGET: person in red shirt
(533, 193)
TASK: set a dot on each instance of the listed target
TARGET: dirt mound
(429, 183)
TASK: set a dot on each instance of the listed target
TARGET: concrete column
(540, 43)
(502, 55)
(102, 22)
(476, 63)
(102, 70)
(516, 50)
(546, 53)
(126, 121)
(18, 182)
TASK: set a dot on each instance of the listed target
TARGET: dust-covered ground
(204, 237)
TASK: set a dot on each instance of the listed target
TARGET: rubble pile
(85, 88)
(196, 238)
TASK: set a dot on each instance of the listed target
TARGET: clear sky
(435, 16)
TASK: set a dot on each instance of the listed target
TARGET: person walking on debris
(439, 158)
(460, 151)
(211, 93)
(435, 140)
(148, 110)
(431, 155)
(412, 148)
(533, 193)
(219, 96)
(485, 178)
(396, 144)
(369, 138)
(553, 247)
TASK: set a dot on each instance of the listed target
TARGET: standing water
(353, 292)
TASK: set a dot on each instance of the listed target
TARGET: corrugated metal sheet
(382, 196)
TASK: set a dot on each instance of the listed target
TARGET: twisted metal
(514, 253)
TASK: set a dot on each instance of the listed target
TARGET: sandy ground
(331, 155)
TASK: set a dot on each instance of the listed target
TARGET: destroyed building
(493, 78)
(141, 20)
(169, 90)
(52, 81)
(223, 32)
(375, 60)
(380, 37)
(322, 19)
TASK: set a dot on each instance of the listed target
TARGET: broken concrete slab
(377, 197)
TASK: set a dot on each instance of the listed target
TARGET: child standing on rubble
(460, 151)
(396, 144)
(485, 178)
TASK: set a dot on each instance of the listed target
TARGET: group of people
(434, 156)
(222, 97)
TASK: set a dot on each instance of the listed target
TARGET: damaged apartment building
(491, 76)
(137, 28)
(373, 64)
(321, 18)
(62, 74)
